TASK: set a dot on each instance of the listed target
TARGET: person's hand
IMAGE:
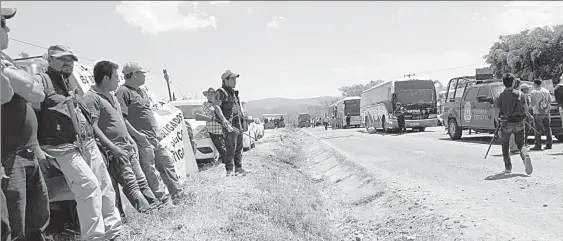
(119, 155)
(43, 158)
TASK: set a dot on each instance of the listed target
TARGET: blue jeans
(27, 198)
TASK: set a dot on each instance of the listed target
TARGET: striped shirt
(213, 126)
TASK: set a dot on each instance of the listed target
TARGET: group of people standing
(226, 122)
(523, 110)
(107, 136)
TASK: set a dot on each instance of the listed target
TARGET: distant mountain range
(290, 107)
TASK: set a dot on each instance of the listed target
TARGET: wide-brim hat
(210, 90)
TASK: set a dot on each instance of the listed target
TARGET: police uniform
(512, 114)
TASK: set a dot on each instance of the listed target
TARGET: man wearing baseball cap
(24, 196)
(68, 136)
(228, 101)
(141, 124)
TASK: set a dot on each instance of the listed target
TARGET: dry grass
(274, 202)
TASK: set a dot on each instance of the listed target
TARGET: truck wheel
(454, 130)
(421, 129)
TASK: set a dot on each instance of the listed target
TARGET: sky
(280, 49)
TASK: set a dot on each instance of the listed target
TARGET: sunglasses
(66, 58)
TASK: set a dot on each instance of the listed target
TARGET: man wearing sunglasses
(24, 196)
(68, 136)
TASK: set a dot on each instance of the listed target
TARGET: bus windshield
(415, 91)
(352, 107)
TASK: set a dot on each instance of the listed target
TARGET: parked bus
(349, 106)
(417, 96)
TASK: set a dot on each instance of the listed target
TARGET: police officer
(513, 111)
(229, 103)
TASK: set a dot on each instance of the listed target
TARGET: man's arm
(7, 91)
(24, 85)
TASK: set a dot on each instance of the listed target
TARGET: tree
(530, 54)
(357, 89)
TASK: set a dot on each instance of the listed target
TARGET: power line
(439, 70)
(37, 46)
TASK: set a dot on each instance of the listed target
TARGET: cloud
(165, 16)
(218, 2)
(519, 16)
(276, 21)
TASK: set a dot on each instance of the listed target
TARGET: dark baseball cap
(8, 13)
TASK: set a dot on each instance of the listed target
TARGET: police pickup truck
(469, 105)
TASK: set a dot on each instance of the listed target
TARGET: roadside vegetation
(274, 202)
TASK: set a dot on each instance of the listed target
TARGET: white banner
(175, 139)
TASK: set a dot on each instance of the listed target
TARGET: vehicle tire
(559, 137)
(454, 130)
(421, 129)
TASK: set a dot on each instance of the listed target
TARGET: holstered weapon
(70, 104)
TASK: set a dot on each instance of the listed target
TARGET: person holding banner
(65, 133)
(141, 124)
(110, 129)
(24, 196)
(227, 100)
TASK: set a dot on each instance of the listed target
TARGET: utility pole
(409, 75)
(167, 83)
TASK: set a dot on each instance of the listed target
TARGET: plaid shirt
(213, 126)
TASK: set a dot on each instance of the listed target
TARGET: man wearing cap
(541, 105)
(227, 100)
(65, 132)
(110, 129)
(214, 124)
(141, 124)
(25, 200)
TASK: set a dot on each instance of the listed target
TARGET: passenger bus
(349, 106)
(417, 96)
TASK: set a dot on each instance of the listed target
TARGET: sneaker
(230, 173)
(528, 164)
(507, 171)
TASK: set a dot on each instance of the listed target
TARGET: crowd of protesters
(100, 139)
